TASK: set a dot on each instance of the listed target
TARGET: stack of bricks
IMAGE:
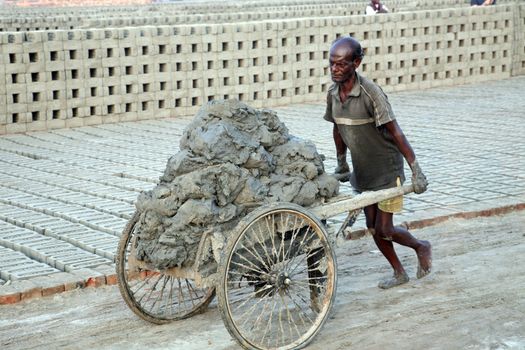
(518, 53)
(56, 79)
(36, 3)
(171, 14)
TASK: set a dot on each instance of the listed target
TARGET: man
(482, 2)
(364, 121)
(374, 7)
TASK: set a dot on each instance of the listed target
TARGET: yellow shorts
(392, 205)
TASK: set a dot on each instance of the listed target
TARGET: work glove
(419, 180)
(342, 165)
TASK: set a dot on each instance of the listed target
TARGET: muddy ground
(474, 299)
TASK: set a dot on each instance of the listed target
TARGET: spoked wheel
(154, 295)
(277, 279)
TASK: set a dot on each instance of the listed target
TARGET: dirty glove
(419, 180)
(342, 165)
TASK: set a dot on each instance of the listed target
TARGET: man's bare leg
(387, 249)
(401, 236)
(400, 276)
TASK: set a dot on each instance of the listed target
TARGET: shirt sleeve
(384, 113)
(328, 113)
(379, 106)
(369, 10)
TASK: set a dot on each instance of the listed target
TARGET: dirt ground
(474, 299)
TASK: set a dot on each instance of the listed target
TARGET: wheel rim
(280, 280)
(155, 295)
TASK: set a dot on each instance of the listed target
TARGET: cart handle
(347, 203)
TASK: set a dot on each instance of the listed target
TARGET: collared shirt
(376, 160)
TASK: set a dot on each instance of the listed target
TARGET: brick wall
(37, 3)
(62, 78)
(171, 14)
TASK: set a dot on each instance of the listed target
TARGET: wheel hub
(282, 280)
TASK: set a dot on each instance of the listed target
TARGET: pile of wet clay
(232, 159)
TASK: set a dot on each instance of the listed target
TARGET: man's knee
(383, 232)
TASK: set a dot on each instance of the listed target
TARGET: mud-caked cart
(276, 277)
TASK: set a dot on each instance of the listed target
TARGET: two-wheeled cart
(276, 278)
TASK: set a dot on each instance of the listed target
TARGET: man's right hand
(342, 171)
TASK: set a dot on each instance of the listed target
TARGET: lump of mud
(232, 159)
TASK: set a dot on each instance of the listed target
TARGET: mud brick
(90, 277)
(29, 290)
(49, 285)
(52, 290)
(96, 281)
(68, 280)
(9, 298)
(111, 279)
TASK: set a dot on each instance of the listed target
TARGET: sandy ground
(474, 299)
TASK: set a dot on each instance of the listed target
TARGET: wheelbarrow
(276, 277)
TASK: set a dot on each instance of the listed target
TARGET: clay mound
(232, 158)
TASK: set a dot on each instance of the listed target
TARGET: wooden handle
(347, 203)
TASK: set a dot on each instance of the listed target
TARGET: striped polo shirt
(376, 160)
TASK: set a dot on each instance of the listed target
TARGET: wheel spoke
(304, 257)
(256, 255)
(271, 233)
(169, 303)
(257, 268)
(249, 268)
(254, 278)
(150, 291)
(261, 243)
(189, 292)
(250, 311)
(253, 294)
(259, 318)
(269, 323)
(299, 308)
(295, 232)
(159, 298)
(298, 249)
(290, 317)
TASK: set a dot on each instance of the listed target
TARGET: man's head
(345, 56)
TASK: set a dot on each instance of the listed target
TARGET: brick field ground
(65, 195)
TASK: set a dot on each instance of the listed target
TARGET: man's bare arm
(401, 141)
(418, 178)
(340, 147)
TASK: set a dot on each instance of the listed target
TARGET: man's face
(342, 67)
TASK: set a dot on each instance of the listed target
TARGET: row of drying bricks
(59, 214)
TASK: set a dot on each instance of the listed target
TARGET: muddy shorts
(392, 205)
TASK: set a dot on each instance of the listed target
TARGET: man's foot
(396, 280)
(424, 257)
